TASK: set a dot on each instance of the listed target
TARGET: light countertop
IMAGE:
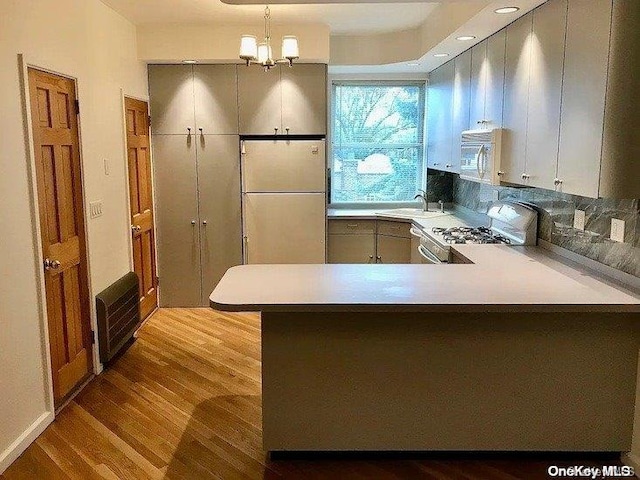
(501, 278)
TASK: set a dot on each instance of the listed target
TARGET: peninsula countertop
(500, 279)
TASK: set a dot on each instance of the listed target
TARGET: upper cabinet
(487, 82)
(215, 89)
(193, 98)
(439, 119)
(545, 92)
(170, 90)
(283, 101)
(460, 109)
(304, 99)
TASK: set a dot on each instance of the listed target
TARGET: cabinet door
(393, 249)
(352, 248)
(304, 99)
(259, 101)
(174, 160)
(516, 98)
(545, 91)
(171, 99)
(220, 210)
(439, 105)
(478, 93)
(494, 85)
(583, 96)
(460, 110)
(216, 99)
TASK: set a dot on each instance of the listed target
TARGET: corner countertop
(501, 279)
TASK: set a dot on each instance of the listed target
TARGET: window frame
(422, 83)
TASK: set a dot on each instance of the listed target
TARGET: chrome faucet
(423, 196)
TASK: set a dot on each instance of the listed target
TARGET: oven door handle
(428, 255)
(416, 233)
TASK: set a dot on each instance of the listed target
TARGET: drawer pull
(352, 225)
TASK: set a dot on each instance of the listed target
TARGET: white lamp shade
(264, 53)
(248, 47)
(290, 47)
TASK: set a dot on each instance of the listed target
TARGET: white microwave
(480, 160)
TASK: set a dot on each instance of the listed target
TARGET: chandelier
(262, 54)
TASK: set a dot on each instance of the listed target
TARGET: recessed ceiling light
(465, 38)
(441, 55)
(189, 61)
(507, 10)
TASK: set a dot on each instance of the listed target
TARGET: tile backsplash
(556, 219)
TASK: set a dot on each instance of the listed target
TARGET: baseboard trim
(14, 450)
(631, 460)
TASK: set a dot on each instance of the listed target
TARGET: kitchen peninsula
(517, 351)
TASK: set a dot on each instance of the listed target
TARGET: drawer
(352, 227)
(394, 229)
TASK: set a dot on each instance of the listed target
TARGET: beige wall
(219, 44)
(87, 40)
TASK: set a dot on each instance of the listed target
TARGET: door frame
(24, 64)
(127, 191)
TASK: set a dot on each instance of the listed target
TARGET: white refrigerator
(284, 201)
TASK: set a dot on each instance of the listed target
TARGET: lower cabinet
(198, 212)
(369, 241)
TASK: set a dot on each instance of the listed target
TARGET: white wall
(87, 40)
(170, 43)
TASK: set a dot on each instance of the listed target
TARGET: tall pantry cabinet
(194, 118)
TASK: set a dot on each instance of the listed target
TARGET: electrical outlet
(617, 230)
(95, 209)
(579, 219)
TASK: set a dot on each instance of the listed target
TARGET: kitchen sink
(411, 213)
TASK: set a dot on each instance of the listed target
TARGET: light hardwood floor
(184, 402)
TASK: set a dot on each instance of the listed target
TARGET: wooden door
(58, 171)
(304, 99)
(220, 208)
(259, 101)
(141, 200)
(393, 249)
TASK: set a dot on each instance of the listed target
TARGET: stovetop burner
(462, 235)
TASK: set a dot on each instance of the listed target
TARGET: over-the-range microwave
(480, 161)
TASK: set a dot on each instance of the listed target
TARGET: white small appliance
(480, 156)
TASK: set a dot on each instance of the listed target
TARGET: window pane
(377, 143)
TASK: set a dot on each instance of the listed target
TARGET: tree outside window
(377, 135)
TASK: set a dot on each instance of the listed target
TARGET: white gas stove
(511, 223)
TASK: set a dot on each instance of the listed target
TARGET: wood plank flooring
(184, 402)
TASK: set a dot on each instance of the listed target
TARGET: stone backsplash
(556, 219)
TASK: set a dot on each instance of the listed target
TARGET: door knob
(51, 264)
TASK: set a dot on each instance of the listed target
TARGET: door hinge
(149, 118)
(93, 337)
(157, 281)
(77, 104)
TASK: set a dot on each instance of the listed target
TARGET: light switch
(617, 230)
(95, 209)
(579, 219)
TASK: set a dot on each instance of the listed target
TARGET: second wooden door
(141, 199)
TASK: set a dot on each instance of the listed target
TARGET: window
(377, 142)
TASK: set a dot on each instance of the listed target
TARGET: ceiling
(342, 19)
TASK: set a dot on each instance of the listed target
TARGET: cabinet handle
(201, 132)
(378, 259)
(501, 173)
(276, 129)
(189, 130)
(525, 176)
(447, 166)
(204, 223)
(436, 164)
(370, 258)
(193, 222)
(352, 225)
(557, 181)
(287, 129)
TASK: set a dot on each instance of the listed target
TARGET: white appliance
(511, 223)
(480, 156)
(284, 201)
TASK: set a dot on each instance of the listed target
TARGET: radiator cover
(118, 312)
